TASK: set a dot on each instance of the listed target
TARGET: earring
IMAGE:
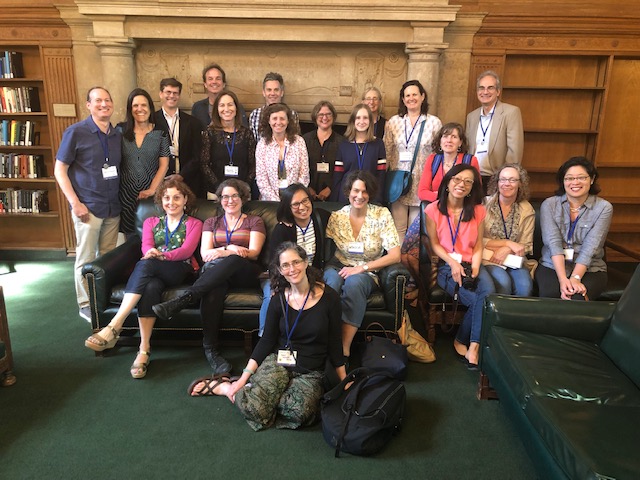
(446, 189)
(460, 148)
(469, 195)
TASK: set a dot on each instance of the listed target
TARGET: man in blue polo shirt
(88, 172)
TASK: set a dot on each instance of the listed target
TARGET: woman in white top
(412, 128)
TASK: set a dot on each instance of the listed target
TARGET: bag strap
(435, 165)
(415, 151)
(467, 158)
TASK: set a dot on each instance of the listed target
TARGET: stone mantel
(352, 43)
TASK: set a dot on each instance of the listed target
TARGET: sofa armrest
(587, 321)
(393, 280)
(111, 269)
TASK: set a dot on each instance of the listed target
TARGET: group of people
(479, 222)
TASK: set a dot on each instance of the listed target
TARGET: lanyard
(304, 232)
(174, 122)
(504, 223)
(485, 130)
(412, 129)
(572, 227)
(282, 173)
(232, 147)
(295, 324)
(167, 236)
(104, 141)
(360, 154)
(454, 237)
(226, 228)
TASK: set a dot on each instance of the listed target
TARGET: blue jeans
(512, 281)
(266, 298)
(354, 293)
(471, 325)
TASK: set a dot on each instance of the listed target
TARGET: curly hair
(183, 188)
(239, 186)
(523, 187)
(265, 128)
(278, 282)
(365, 176)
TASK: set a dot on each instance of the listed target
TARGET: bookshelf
(32, 216)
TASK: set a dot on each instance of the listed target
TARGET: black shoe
(219, 365)
(166, 310)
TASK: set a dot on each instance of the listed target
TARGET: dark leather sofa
(568, 374)
(108, 274)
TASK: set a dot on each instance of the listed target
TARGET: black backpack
(363, 418)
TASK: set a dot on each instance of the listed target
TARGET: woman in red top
(455, 225)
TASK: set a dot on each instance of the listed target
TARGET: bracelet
(249, 371)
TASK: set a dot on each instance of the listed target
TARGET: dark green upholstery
(567, 374)
(107, 276)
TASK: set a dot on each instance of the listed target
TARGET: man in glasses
(494, 130)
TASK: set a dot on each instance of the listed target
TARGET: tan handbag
(418, 348)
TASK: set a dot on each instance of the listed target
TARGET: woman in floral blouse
(362, 233)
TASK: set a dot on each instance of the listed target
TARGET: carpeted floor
(72, 415)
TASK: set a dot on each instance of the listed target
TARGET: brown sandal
(210, 383)
(100, 344)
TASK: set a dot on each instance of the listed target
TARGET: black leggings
(212, 286)
(549, 286)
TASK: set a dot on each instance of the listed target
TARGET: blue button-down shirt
(83, 150)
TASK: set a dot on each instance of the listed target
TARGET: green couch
(568, 374)
(107, 275)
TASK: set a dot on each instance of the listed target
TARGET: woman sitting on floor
(282, 383)
(168, 244)
(230, 246)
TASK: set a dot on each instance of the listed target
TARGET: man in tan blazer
(494, 130)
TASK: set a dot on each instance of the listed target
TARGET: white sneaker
(85, 312)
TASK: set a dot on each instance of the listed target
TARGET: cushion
(588, 440)
(542, 365)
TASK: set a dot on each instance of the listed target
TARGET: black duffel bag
(362, 419)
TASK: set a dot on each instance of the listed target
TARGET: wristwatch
(577, 277)
(365, 267)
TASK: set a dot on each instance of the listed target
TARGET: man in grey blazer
(494, 130)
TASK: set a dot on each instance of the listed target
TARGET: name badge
(406, 157)
(173, 150)
(287, 358)
(109, 172)
(283, 183)
(323, 167)
(230, 171)
(355, 247)
(568, 254)
(456, 256)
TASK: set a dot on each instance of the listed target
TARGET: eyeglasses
(581, 179)
(304, 203)
(490, 88)
(508, 180)
(294, 264)
(372, 99)
(467, 181)
(328, 115)
(226, 198)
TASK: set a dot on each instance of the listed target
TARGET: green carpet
(73, 415)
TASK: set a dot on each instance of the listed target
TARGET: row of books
(21, 165)
(24, 99)
(11, 65)
(16, 200)
(19, 133)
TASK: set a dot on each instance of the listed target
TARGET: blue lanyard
(504, 223)
(304, 232)
(167, 236)
(572, 227)
(485, 130)
(412, 129)
(454, 237)
(282, 173)
(104, 141)
(233, 145)
(360, 154)
(295, 324)
(226, 228)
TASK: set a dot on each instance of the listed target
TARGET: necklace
(575, 209)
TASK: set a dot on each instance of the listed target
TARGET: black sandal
(210, 384)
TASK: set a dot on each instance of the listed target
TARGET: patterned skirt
(276, 396)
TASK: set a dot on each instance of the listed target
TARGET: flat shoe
(460, 357)
(100, 344)
(139, 370)
(211, 382)
(472, 366)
